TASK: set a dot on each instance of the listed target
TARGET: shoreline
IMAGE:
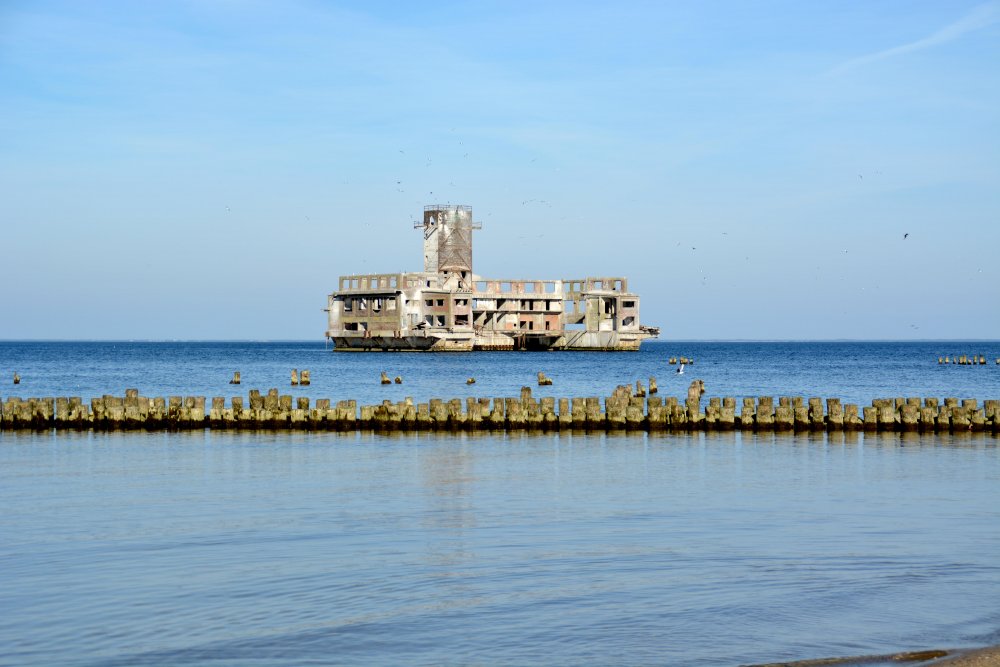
(988, 656)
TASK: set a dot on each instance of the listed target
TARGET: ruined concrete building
(446, 307)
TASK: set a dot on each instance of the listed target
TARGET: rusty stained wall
(371, 313)
(518, 305)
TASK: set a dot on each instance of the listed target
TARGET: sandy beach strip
(982, 657)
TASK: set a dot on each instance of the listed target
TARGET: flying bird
(905, 235)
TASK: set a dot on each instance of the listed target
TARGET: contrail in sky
(981, 17)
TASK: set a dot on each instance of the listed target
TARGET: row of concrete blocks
(622, 410)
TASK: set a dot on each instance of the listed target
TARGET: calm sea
(853, 371)
(211, 548)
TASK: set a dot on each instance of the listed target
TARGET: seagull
(905, 235)
(680, 371)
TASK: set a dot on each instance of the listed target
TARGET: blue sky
(199, 170)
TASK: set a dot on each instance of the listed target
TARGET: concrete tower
(448, 241)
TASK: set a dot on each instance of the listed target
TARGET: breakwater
(625, 409)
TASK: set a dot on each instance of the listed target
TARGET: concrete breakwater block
(626, 408)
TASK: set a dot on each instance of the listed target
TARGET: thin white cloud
(980, 17)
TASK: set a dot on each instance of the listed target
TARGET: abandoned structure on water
(448, 308)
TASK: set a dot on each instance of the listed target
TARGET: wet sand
(983, 657)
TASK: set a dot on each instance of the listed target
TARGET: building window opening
(628, 304)
(461, 320)
(348, 305)
(440, 302)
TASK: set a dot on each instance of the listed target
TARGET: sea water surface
(271, 549)
(852, 371)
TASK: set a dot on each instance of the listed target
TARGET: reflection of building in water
(448, 308)
(446, 471)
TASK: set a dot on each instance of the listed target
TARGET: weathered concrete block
(909, 417)
(942, 424)
(834, 414)
(784, 417)
(712, 414)
(888, 419)
(695, 419)
(615, 411)
(456, 418)
(497, 418)
(871, 418)
(764, 420)
(852, 422)
(634, 418)
(926, 417)
(423, 416)
(727, 417)
(565, 415)
(978, 419)
(748, 414)
(474, 411)
(595, 418)
(658, 417)
(960, 419)
(62, 411)
(800, 415)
